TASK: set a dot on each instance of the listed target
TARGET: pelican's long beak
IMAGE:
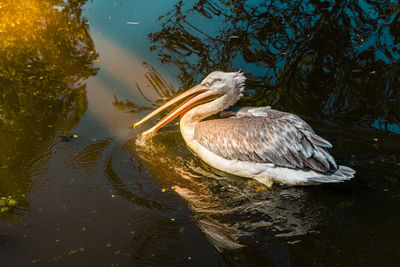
(197, 95)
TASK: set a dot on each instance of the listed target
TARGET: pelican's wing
(245, 112)
(266, 135)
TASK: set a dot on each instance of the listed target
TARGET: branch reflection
(155, 82)
(336, 60)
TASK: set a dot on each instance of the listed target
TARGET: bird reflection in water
(228, 209)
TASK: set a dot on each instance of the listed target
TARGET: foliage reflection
(46, 53)
(337, 60)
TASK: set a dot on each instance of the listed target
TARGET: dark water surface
(78, 189)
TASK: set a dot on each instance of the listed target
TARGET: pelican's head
(224, 87)
(225, 83)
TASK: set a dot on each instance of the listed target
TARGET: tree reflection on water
(46, 53)
(157, 83)
(336, 60)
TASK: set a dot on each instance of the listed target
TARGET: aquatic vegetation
(7, 203)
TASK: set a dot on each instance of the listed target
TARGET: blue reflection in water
(128, 23)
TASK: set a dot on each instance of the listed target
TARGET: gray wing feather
(244, 112)
(268, 136)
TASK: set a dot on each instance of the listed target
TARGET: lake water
(77, 189)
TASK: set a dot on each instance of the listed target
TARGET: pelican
(254, 142)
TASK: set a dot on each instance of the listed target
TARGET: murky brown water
(79, 189)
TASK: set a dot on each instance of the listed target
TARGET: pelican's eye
(207, 83)
(213, 82)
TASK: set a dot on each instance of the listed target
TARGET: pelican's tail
(342, 173)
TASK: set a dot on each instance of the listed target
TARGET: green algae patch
(7, 203)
